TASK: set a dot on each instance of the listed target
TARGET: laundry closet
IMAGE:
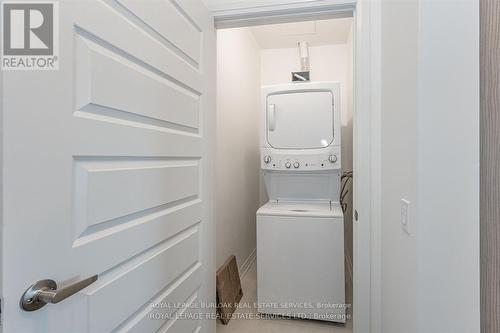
(284, 147)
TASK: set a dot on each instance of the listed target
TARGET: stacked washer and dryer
(300, 231)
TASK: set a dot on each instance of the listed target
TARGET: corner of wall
(238, 116)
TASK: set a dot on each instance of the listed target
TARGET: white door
(107, 168)
(300, 120)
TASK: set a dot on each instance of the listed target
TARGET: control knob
(332, 158)
(267, 159)
(296, 165)
(288, 165)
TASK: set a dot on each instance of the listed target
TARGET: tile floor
(249, 285)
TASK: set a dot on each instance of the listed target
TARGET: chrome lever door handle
(45, 291)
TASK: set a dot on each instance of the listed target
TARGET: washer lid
(301, 208)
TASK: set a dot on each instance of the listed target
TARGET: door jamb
(2, 194)
(366, 131)
(233, 17)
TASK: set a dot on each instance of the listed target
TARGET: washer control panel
(300, 162)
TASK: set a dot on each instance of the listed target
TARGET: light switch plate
(405, 215)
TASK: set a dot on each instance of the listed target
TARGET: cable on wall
(345, 180)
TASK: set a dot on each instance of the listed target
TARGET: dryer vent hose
(304, 56)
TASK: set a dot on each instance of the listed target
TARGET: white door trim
(367, 166)
(254, 5)
(367, 126)
(246, 14)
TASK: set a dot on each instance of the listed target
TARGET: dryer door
(300, 120)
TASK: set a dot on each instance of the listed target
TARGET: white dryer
(300, 231)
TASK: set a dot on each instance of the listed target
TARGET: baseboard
(247, 264)
(348, 264)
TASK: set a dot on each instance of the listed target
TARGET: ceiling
(286, 35)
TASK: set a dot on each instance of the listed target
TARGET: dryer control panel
(301, 162)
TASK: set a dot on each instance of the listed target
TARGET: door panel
(111, 84)
(107, 191)
(154, 13)
(107, 170)
(180, 292)
(141, 279)
(135, 40)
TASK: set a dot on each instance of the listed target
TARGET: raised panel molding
(149, 51)
(136, 187)
(187, 44)
(148, 274)
(110, 84)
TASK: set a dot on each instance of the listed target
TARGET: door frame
(366, 127)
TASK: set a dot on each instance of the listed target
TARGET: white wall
(327, 63)
(430, 154)
(448, 166)
(399, 153)
(237, 156)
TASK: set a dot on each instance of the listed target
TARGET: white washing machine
(300, 231)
